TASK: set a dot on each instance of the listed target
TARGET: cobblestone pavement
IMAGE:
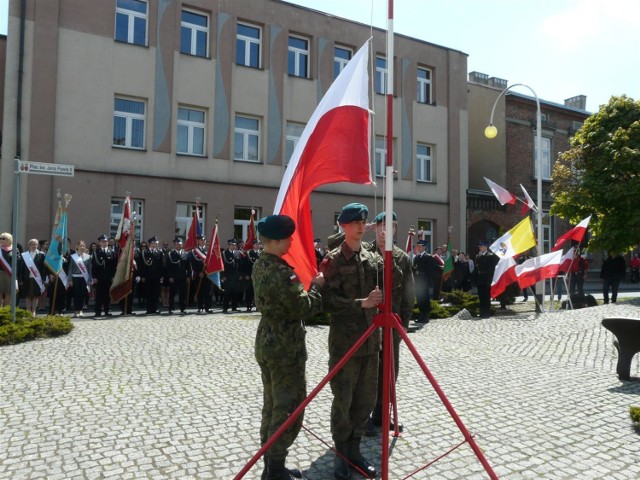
(179, 397)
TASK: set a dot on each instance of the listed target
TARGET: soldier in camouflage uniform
(351, 295)
(402, 300)
(280, 341)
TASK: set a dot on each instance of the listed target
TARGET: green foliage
(28, 328)
(635, 416)
(600, 175)
(453, 303)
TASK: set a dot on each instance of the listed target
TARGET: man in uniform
(231, 260)
(151, 272)
(103, 269)
(280, 340)
(486, 262)
(177, 271)
(252, 257)
(421, 263)
(201, 285)
(351, 295)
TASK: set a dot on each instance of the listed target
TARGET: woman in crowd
(80, 277)
(31, 283)
(6, 245)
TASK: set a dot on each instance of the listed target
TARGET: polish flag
(334, 147)
(503, 276)
(566, 261)
(538, 268)
(409, 246)
(503, 195)
(124, 227)
(576, 234)
(529, 204)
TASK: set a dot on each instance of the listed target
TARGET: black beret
(153, 239)
(276, 227)
(102, 238)
(353, 212)
(382, 215)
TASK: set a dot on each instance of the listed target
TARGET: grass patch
(27, 328)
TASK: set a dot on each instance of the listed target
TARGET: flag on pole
(213, 264)
(195, 230)
(122, 284)
(538, 268)
(448, 263)
(334, 147)
(124, 227)
(515, 241)
(566, 261)
(503, 195)
(409, 247)
(503, 276)
(529, 204)
(251, 234)
(576, 234)
(58, 245)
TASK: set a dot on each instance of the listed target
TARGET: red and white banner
(529, 204)
(124, 227)
(567, 260)
(576, 234)
(538, 268)
(334, 147)
(503, 276)
(502, 194)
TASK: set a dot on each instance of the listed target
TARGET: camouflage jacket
(349, 277)
(284, 305)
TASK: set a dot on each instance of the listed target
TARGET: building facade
(173, 102)
(509, 159)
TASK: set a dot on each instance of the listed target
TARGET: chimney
(578, 102)
(477, 77)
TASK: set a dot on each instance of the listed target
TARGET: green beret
(381, 216)
(354, 212)
(276, 227)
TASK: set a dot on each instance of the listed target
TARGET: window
(184, 214)
(191, 130)
(381, 75)
(341, 57)
(117, 210)
(128, 123)
(241, 218)
(546, 158)
(424, 85)
(194, 34)
(425, 232)
(294, 131)
(424, 163)
(546, 232)
(381, 156)
(131, 21)
(298, 57)
(248, 45)
(247, 139)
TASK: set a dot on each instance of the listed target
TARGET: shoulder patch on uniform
(325, 260)
(293, 278)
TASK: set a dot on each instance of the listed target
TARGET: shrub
(635, 417)
(454, 302)
(28, 328)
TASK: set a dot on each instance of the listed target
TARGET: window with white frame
(184, 216)
(546, 232)
(298, 56)
(131, 21)
(246, 146)
(381, 156)
(546, 158)
(424, 163)
(294, 132)
(341, 56)
(137, 213)
(424, 85)
(425, 232)
(128, 123)
(194, 33)
(241, 219)
(191, 131)
(381, 75)
(248, 45)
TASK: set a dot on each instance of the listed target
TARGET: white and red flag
(124, 227)
(334, 147)
(566, 261)
(251, 234)
(529, 204)
(503, 276)
(502, 194)
(576, 234)
(538, 268)
(409, 246)
(195, 230)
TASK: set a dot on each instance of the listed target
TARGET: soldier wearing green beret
(350, 295)
(280, 340)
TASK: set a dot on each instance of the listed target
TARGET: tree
(600, 175)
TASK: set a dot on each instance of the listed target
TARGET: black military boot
(357, 460)
(277, 471)
(292, 471)
(341, 467)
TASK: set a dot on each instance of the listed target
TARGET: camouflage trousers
(284, 389)
(377, 411)
(354, 396)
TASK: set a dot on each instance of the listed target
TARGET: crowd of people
(165, 278)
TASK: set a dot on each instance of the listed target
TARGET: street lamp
(491, 132)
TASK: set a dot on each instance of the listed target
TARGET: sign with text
(40, 168)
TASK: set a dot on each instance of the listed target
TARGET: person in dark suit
(231, 260)
(178, 268)
(612, 273)
(103, 268)
(200, 285)
(152, 269)
(486, 262)
(421, 270)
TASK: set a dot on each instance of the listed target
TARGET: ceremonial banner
(194, 232)
(251, 234)
(122, 284)
(515, 241)
(58, 245)
(124, 227)
(213, 263)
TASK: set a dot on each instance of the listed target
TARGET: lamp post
(490, 132)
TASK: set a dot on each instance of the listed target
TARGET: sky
(559, 48)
